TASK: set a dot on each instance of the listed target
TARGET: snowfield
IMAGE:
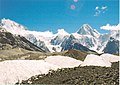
(103, 60)
(95, 60)
(12, 71)
(110, 57)
(63, 61)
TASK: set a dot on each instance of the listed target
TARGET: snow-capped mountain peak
(59, 39)
(88, 30)
(62, 32)
(11, 23)
(84, 29)
(12, 26)
(87, 27)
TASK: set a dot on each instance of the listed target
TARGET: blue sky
(42, 15)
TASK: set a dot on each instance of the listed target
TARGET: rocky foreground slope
(88, 75)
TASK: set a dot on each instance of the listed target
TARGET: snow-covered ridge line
(41, 39)
(86, 36)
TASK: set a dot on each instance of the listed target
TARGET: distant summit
(12, 26)
(88, 30)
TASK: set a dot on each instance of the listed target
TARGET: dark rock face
(79, 55)
(17, 41)
(42, 45)
(112, 46)
(88, 75)
(38, 43)
(56, 41)
(73, 43)
(29, 46)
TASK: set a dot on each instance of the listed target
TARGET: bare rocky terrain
(88, 75)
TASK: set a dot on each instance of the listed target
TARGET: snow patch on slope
(63, 61)
(12, 71)
(104, 60)
(110, 57)
(94, 60)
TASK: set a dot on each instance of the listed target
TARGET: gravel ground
(88, 75)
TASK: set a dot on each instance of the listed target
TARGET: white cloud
(109, 27)
(75, 0)
(104, 7)
(99, 10)
(73, 7)
(96, 8)
(97, 13)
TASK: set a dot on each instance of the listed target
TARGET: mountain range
(85, 39)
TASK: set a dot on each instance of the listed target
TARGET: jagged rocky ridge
(112, 46)
(7, 38)
(72, 43)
